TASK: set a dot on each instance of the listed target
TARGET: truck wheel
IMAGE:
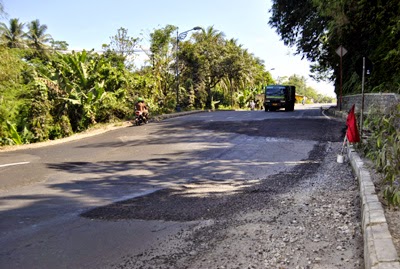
(266, 109)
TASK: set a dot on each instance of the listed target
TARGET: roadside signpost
(364, 68)
(341, 51)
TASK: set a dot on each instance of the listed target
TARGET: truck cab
(279, 96)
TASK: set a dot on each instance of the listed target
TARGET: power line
(136, 51)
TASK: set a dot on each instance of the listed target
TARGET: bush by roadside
(382, 147)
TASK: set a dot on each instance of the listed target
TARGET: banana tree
(80, 81)
(245, 96)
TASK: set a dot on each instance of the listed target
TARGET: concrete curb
(379, 249)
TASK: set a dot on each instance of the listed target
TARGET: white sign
(341, 51)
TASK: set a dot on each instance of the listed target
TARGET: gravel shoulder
(307, 217)
(392, 214)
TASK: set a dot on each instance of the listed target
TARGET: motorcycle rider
(142, 107)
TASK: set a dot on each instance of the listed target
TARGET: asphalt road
(49, 195)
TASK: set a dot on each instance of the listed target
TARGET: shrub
(383, 148)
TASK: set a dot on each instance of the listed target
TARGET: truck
(279, 96)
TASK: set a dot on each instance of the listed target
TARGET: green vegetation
(316, 28)
(383, 147)
(48, 92)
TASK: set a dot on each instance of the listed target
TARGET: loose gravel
(307, 217)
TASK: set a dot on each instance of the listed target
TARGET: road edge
(93, 132)
(379, 249)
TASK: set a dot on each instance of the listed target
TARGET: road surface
(106, 200)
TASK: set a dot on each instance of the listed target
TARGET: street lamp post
(271, 69)
(180, 36)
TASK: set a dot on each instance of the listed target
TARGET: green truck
(279, 96)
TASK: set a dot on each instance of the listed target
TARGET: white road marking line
(323, 113)
(11, 164)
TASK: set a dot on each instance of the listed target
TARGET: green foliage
(12, 35)
(61, 128)
(40, 119)
(45, 94)
(383, 147)
(302, 89)
(59, 45)
(162, 57)
(365, 28)
(85, 86)
(123, 45)
(300, 24)
(161, 41)
(37, 39)
(392, 194)
(14, 136)
(12, 91)
(210, 52)
(213, 65)
(110, 109)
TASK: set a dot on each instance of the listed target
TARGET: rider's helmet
(140, 99)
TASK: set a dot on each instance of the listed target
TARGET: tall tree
(365, 28)
(300, 25)
(59, 45)
(37, 36)
(12, 88)
(235, 63)
(162, 58)
(210, 48)
(123, 45)
(2, 12)
(13, 34)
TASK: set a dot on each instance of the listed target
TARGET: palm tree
(37, 35)
(210, 50)
(161, 58)
(234, 61)
(13, 34)
(3, 14)
(210, 35)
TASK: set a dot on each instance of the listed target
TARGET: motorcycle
(140, 118)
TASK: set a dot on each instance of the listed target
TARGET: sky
(87, 24)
